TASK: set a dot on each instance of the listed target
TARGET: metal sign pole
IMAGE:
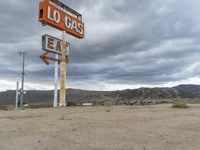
(17, 96)
(63, 72)
(56, 83)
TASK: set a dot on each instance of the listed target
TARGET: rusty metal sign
(60, 16)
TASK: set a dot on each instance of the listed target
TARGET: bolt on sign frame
(58, 15)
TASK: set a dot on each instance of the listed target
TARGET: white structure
(87, 104)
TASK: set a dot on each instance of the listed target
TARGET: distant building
(87, 104)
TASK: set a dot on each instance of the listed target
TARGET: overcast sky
(128, 44)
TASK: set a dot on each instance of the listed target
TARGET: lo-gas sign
(60, 19)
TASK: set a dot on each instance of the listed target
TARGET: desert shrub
(195, 101)
(180, 104)
(70, 104)
(108, 103)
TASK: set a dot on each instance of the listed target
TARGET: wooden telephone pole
(63, 73)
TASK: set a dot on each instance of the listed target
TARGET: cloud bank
(128, 44)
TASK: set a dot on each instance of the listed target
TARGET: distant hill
(188, 91)
(76, 96)
(46, 97)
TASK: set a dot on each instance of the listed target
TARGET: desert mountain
(76, 96)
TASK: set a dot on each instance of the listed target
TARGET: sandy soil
(99, 128)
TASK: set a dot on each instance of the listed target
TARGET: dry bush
(108, 103)
(196, 101)
(180, 104)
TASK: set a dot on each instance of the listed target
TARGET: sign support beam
(55, 104)
(17, 96)
(63, 69)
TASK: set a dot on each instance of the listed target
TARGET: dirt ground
(101, 128)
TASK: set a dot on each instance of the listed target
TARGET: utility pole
(23, 54)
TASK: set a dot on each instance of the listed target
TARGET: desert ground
(157, 127)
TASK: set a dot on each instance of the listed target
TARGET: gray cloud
(127, 42)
